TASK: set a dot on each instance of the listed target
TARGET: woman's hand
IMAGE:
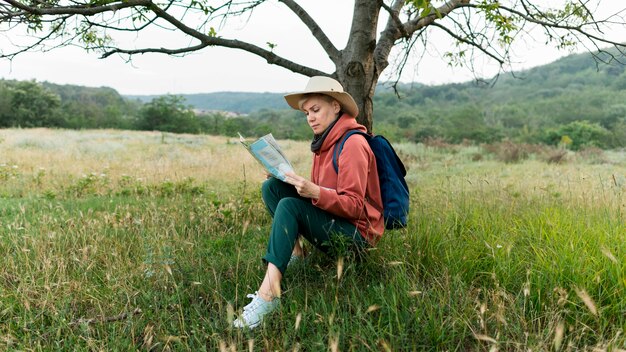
(304, 187)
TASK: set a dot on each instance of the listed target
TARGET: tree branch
(77, 10)
(269, 56)
(315, 29)
(393, 31)
(547, 24)
(441, 12)
(207, 40)
(393, 15)
(38, 42)
(124, 29)
(405, 58)
(499, 59)
(152, 50)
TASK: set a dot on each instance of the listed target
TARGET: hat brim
(345, 100)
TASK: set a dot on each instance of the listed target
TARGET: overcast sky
(222, 69)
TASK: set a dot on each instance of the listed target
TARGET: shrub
(508, 151)
(439, 143)
(578, 134)
(556, 156)
(477, 157)
(168, 114)
(592, 155)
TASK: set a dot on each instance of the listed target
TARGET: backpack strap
(339, 146)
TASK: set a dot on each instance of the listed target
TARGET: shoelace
(255, 302)
(249, 312)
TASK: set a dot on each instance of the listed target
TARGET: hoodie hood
(344, 124)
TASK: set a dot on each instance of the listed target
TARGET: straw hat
(326, 86)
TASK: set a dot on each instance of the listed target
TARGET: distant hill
(93, 107)
(101, 96)
(572, 88)
(571, 75)
(244, 102)
(576, 96)
(239, 102)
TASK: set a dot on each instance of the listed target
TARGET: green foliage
(28, 104)
(92, 39)
(168, 114)
(85, 107)
(504, 25)
(468, 124)
(579, 134)
(423, 6)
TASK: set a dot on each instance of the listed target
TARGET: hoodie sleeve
(348, 200)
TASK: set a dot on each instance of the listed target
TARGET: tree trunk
(356, 69)
(361, 85)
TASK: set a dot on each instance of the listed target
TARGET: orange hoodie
(354, 193)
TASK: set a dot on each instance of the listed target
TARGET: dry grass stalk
(584, 296)
(607, 253)
(339, 268)
(559, 332)
(298, 320)
(110, 319)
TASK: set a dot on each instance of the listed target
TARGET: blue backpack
(391, 173)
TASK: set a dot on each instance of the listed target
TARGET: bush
(580, 134)
(592, 155)
(508, 151)
(441, 144)
(555, 156)
(28, 104)
(168, 114)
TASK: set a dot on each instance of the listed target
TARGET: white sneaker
(254, 312)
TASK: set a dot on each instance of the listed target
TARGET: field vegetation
(119, 240)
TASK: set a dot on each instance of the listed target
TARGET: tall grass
(141, 241)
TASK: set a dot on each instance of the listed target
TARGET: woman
(345, 204)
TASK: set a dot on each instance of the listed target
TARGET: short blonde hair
(326, 98)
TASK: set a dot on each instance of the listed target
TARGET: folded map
(266, 151)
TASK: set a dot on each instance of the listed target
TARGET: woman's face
(320, 112)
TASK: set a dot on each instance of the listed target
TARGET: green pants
(294, 215)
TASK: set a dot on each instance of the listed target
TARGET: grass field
(115, 241)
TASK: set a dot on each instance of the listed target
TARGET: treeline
(239, 102)
(574, 102)
(34, 104)
(29, 104)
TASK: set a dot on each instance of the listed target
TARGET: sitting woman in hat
(345, 204)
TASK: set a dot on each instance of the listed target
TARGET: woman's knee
(269, 187)
(271, 194)
(289, 205)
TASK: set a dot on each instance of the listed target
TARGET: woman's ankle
(266, 296)
(298, 249)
